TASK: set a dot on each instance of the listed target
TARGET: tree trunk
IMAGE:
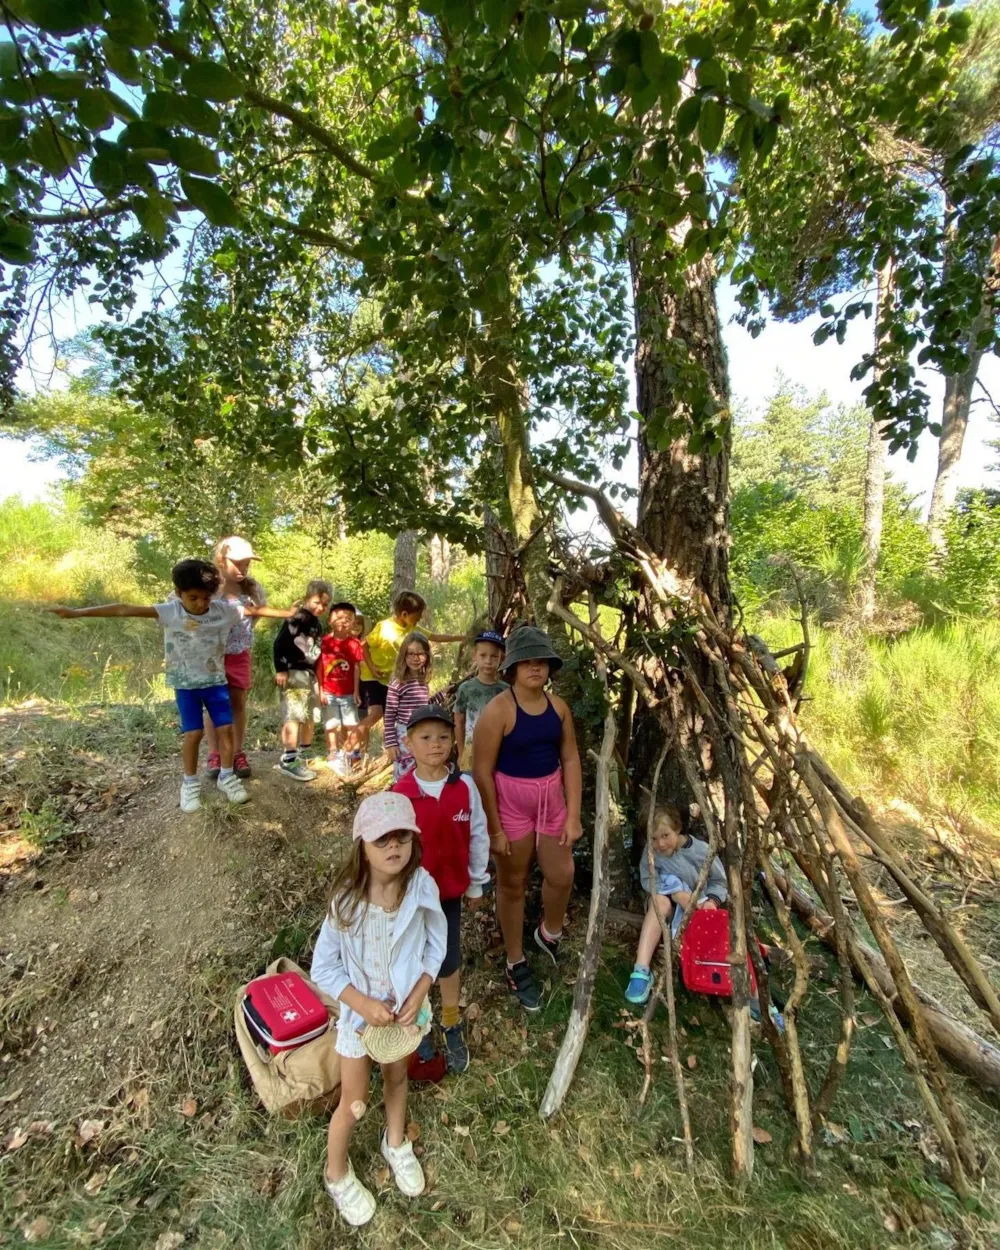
(404, 563)
(440, 553)
(875, 468)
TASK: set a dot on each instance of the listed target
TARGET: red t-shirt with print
(337, 662)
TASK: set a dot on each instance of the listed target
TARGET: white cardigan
(419, 942)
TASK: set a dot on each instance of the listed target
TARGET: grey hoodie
(685, 863)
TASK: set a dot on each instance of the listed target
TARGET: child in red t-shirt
(339, 672)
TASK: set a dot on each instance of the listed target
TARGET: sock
(449, 1016)
(288, 755)
(552, 937)
(190, 781)
(641, 968)
(522, 960)
(224, 773)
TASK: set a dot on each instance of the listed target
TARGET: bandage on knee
(358, 1108)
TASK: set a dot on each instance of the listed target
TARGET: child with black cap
(456, 848)
(474, 693)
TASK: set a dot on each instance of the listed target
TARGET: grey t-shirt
(685, 864)
(473, 695)
(194, 647)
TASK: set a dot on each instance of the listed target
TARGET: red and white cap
(384, 813)
(237, 548)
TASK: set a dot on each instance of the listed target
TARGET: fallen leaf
(96, 1228)
(583, 1154)
(512, 1226)
(470, 1150)
(444, 1118)
(16, 1140)
(870, 1020)
(837, 1131)
(473, 1011)
(13, 1096)
(188, 1107)
(436, 1206)
(169, 1241)
(381, 1177)
(88, 1130)
(692, 1061)
(93, 1186)
(886, 1041)
(761, 1136)
(38, 1230)
(616, 1174)
(637, 1169)
(462, 1130)
(40, 1129)
(890, 1223)
(412, 1131)
(501, 1128)
(695, 1021)
(490, 1080)
(21, 1198)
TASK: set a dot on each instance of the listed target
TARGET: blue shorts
(215, 701)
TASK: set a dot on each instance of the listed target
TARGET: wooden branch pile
(770, 806)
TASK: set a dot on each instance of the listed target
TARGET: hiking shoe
(355, 1203)
(297, 770)
(190, 797)
(406, 1169)
(456, 1048)
(241, 765)
(521, 983)
(233, 789)
(213, 765)
(340, 764)
(640, 985)
(549, 945)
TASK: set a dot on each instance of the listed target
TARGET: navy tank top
(531, 749)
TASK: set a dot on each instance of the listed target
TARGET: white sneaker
(341, 765)
(355, 1203)
(406, 1169)
(234, 789)
(190, 797)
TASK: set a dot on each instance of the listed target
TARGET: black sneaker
(521, 983)
(549, 945)
(456, 1048)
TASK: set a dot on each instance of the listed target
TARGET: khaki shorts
(299, 697)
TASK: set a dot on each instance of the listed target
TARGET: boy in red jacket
(456, 849)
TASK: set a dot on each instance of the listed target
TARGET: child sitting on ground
(456, 849)
(378, 952)
(381, 648)
(195, 628)
(677, 863)
(340, 685)
(474, 693)
(297, 650)
(408, 690)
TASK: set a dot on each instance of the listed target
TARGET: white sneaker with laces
(234, 789)
(406, 1169)
(341, 765)
(355, 1203)
(190, 797)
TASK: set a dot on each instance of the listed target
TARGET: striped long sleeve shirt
(401, 702)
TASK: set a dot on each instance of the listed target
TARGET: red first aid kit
(282, 1012)
(705, 965)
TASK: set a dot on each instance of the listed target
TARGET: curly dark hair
(195, 575)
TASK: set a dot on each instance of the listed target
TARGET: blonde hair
(661, 813)
(251, 587)
(399, 668)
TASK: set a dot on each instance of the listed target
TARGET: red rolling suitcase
(282, 1012)
(705, 965)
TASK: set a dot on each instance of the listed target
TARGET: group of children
(393, 927)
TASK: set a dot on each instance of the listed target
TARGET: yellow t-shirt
(384, 641)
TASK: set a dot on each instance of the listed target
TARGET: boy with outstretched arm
(195, 628)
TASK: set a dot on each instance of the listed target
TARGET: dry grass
(177, 1151)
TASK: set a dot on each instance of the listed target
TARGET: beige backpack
(304, 1079)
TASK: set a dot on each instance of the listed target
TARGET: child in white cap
(379, 951)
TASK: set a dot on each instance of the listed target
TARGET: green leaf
(94, 111)
(711, 123)
(121, 61)
(14, 255)
(61, 85)
(198, 115)
(536, 33)
(212, 200)
(698, 46)
(61, 17)
(51, 149)
(651, 57)
(211, 81)
(162, 108)
(129, 23)
(193, 155)
(9, 64)
(151, 217)
(383, 147)
(137, 171)
(107, 171)
(687, 115)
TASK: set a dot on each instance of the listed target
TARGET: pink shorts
(238, 672)
(531, 804)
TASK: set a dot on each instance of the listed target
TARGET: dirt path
(98, 947)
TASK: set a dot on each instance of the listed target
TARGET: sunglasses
(403, 836)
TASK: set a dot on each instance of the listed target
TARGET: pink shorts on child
(238, 670)
(531, 804)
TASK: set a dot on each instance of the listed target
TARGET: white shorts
(339, 711)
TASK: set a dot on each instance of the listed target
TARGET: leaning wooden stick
(579, 1020)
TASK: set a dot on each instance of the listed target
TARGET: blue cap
(491, 635)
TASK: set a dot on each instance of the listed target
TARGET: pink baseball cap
(383, 813)
(237, 548)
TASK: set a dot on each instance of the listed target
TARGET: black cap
(431, 711)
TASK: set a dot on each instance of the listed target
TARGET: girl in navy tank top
(527, 767)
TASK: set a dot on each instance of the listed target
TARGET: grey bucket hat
(527, 642)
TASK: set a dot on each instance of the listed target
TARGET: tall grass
(916, 718)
